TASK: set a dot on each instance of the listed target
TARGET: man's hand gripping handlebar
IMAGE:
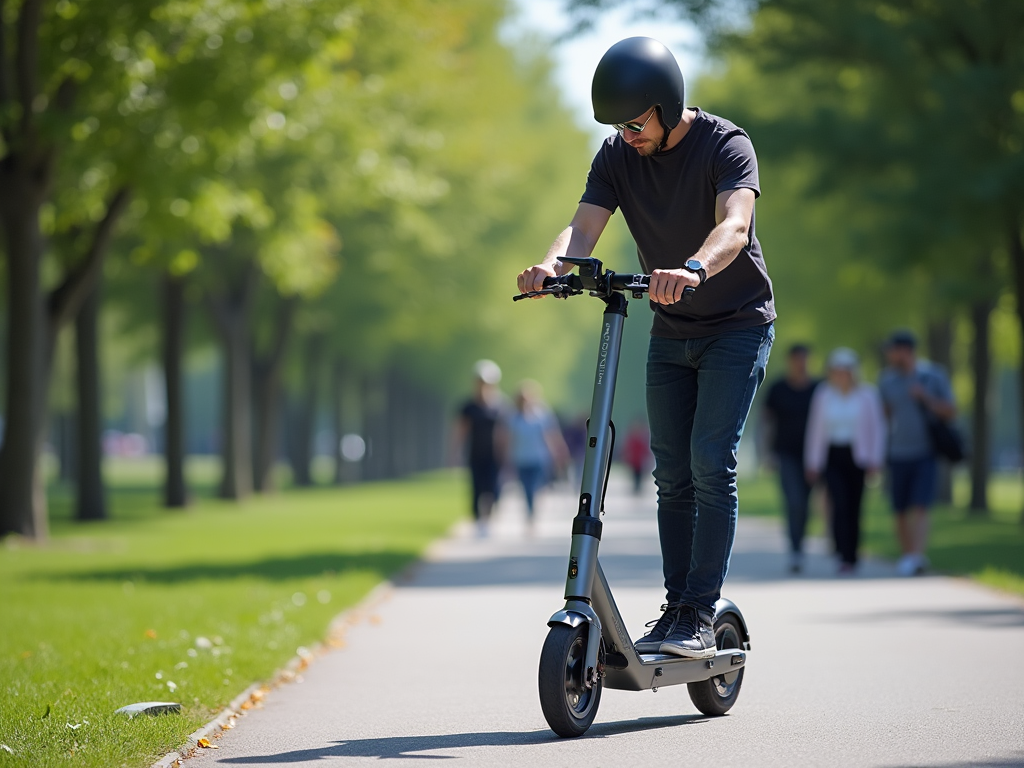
(561, 287)
(598, 282)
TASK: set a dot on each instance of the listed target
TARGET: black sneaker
(692, 636)
(651, 642)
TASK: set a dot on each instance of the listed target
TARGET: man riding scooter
(686, 182)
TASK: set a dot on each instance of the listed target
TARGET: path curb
(255, 693)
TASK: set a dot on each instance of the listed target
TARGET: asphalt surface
(872, 670)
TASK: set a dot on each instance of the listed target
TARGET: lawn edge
(290, 672)
(254, 694)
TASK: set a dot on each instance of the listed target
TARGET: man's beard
(647, 149)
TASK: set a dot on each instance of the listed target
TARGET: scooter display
(587, 648)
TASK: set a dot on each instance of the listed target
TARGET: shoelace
(669, 615)
(687, 623)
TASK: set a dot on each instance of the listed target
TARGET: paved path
(869, 671)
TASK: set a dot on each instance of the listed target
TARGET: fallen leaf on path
(205, 744)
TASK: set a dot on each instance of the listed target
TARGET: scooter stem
(586, 528)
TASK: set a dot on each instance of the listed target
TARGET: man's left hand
(667, 284)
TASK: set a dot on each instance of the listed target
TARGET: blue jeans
(796, 492)
(699, 393)
(532, 477)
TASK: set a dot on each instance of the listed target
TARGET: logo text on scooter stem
(602, 361)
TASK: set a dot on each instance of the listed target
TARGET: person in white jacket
(845, 441)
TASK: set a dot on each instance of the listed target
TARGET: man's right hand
(532, 279)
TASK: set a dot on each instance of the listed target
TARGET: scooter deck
(627, 670)
(657, 669)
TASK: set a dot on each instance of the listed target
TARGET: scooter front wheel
(568, 704)
(716, 696)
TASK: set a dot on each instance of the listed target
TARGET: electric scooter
(587, 648)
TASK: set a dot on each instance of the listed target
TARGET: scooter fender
(575, 613)
(724, 606)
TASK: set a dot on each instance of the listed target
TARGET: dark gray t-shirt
(908, 430)
(668, 201)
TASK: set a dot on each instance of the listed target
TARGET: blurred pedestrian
(845, 440)
(574, 431)
(636, 452)
(478, 432)
(785, 410)
(912, 391)
(536, 446)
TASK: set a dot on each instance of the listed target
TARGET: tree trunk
(306, 426)
(338, 418)
(940, 351)
(22, 496)
(175, 489)
(231, 316)
(981, 365)
(374, 428)
(67, 446)
(267, 397)
(91, 502)
(1017, 266)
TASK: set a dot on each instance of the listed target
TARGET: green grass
(109, 613)
(989, 549)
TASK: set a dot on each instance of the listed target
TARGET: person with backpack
(916, 394)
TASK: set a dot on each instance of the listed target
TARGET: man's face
(900, 356)
(797, 365)
(647, 141)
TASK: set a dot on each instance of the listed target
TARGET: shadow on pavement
(407, 746)
(989, 618)
(1013, 760)
(270, 568)
(633, 570)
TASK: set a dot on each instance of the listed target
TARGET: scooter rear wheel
(568, 705)
(716, 696)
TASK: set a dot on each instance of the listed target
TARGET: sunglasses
(634, 127)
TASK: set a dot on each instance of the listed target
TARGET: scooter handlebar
(572, 284)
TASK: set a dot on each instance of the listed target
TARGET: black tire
(715, 697)
(568, 705)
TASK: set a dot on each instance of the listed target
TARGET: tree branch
(5, 86)
(66, 299)
(26, 58)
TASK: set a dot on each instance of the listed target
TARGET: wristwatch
(697, 268)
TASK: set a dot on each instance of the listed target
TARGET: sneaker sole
(649, 646)
(687, 653)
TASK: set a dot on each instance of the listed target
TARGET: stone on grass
(150, 708)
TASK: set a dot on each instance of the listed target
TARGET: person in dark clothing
(685, 181)
(637, 453)
(479, 431)
(785, 411)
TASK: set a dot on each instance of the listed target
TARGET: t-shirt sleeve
(940, 386)
(735, 165)
(600, 189)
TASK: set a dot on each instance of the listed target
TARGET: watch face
(693, 265)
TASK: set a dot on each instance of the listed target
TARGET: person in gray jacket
(912, 390)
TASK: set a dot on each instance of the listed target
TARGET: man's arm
(576, 241)
(942, 405)
(733, 211)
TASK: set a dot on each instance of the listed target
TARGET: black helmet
(634, 75)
